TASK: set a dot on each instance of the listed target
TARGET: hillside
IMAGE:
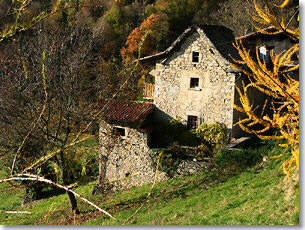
(80, 109)
(234, 195)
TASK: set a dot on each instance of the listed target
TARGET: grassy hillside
(223, 196)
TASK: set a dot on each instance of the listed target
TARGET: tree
(149, 35)
(41, 82)
(280, 82)
(52, 90)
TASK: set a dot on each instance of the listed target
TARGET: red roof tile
(127, 112)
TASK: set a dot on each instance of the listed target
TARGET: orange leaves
(147, 34)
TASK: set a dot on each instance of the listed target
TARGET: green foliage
(169, 158)
(180, 13)
(82, 160)
(215, 135)
(238, 158)
(115, 18)
(149, 10)
(122, 20)
(205, 141)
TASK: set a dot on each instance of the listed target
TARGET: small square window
(117, 131)
(195, 57)
(192, 122)
(194, 82)
(263, 50)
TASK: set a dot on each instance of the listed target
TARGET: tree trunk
(66, 181)
(73, 203)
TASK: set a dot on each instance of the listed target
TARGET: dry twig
(30, 177)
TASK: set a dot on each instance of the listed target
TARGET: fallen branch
(30, 177)
(15, 212)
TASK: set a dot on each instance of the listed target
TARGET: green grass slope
(222, 196)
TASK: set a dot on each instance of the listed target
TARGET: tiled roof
(127, 111)
(220, 36)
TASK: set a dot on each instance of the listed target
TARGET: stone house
(194, 83)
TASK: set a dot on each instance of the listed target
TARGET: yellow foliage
(276, 83)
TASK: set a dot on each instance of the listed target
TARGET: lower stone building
(125, 158)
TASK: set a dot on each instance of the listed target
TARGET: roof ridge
(254, 33)
(144, 102)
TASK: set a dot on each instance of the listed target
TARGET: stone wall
(128, 159)
(128, 162)
(173, 95)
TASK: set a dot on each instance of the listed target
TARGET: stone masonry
(213, 100)
(127, 159)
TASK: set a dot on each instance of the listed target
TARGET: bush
(214, 136)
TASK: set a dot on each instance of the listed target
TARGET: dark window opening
(194, 82)
(119, 131)
(195, 57)
(192, 122)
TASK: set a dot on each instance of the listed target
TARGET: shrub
(214, 136)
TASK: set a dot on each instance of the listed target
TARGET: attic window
(119, 131)
(195, 57)
(192, 122)
(194, 82)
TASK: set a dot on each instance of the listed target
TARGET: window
(194, 82)
(264, 54)
(195, 57)
(263, 50)
(192, 122)
(118, 131)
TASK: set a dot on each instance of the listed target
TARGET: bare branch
(30, 177)
(39, 117)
